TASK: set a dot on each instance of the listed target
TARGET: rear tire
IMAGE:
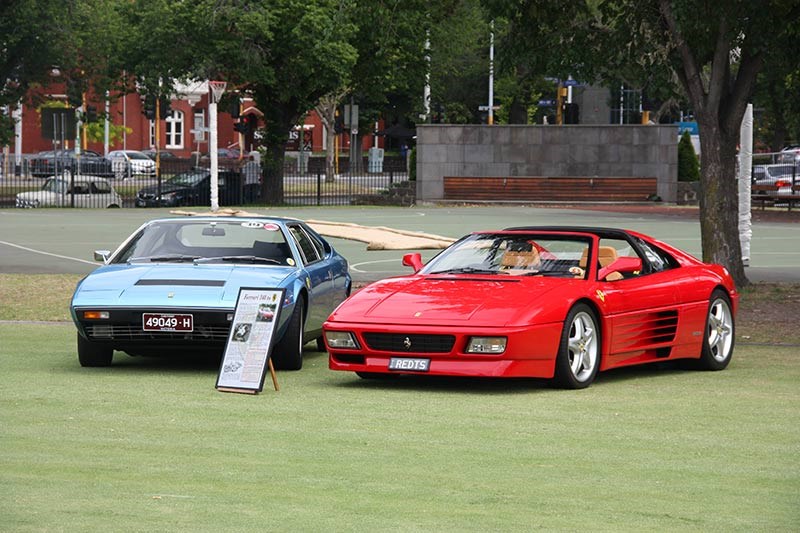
(93, 353)
(578, 358)
(321, 345)
(288, 352)
(720, 335)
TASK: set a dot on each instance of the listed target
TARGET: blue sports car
(172, 286)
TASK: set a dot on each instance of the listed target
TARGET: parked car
(50, 163)
(71, 191)
(171, 287)
(192, 188)
(224, 153)
(163, 154)
(790, 154)
(561, 303)
(129, 163)
(775, 179)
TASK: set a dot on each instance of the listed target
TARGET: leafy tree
(285, 54)
(33, 34)
(711, 52)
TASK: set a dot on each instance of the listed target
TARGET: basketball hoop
(216, 88)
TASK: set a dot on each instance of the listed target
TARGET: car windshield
(518, 254)
(56, 185)
(188, 179)
(137, 155)
(202, 241)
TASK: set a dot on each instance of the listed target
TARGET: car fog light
(486, 345)
(96, 315)
(341, 339)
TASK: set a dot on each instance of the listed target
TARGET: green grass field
(150, 445)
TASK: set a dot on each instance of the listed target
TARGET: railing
(182, 182)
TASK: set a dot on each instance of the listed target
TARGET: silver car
(128, 163)
(775, 179)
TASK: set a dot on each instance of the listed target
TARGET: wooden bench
(768, 194)
(550, 189)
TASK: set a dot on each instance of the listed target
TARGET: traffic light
(91, 113)
(74, 92)
(149, 109)
(247, 124)
(571, 113)
(163, 107)
(338, 121)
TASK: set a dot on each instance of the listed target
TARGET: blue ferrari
(171, 287)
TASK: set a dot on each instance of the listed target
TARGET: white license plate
(409, 364)
(167, 322)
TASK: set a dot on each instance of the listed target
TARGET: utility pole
(490, 116)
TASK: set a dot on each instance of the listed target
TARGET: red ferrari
(542, 302)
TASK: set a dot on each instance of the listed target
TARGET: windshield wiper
(551, 274)
(177, 258)
(467, 270)
(240, 258)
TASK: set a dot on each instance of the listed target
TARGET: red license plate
(167, 322)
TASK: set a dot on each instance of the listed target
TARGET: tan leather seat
(605, 256)
(519, 259)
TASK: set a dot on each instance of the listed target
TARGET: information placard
(250, 341)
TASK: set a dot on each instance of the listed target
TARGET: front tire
(288, 352)
(578, 359)
(93, 354)
(719, 337)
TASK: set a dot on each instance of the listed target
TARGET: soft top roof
(608, 233)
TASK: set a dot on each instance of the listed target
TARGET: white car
(790, 154)
(128, 163)
(71, 191)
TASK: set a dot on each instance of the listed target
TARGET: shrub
(688, 164)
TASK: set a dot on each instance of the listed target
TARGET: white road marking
(48, 253)
(354, 268)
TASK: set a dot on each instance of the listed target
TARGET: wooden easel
(250, 391)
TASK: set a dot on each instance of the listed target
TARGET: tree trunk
(272, 168)
(719, 206)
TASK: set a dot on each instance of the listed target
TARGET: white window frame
(174, 129)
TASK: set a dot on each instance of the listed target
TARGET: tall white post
(212, 149)
(744, 177)
(107, 127)
(490, 117)
(17, 114)
(426, 91)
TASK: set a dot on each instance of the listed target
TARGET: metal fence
(67, 182)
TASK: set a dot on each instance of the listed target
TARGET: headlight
(490, 345)
(341, 339)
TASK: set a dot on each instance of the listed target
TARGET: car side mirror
(413, 260)
(102, 255)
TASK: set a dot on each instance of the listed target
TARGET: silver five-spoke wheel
(720, 333)
(579, 355)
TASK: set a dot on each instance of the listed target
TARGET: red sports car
(542, 302)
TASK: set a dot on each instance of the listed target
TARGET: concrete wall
(548, 151)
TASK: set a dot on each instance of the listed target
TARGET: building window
(199, 128)
(152, 133)
(175, 129)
